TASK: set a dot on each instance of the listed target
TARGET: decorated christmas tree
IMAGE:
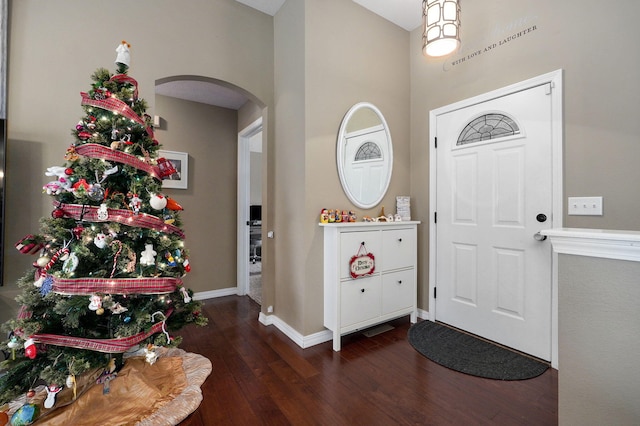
(109, 260)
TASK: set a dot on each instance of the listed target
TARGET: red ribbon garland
(124, 78)
(119, 345)
(95, 150)
(125, 217)
(89, 286)
(117, 106)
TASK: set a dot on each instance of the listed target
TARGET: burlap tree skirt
(142, 394)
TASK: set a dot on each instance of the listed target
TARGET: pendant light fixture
(441, 20)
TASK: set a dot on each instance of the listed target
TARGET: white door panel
(493, 278)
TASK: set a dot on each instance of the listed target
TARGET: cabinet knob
(362, 290)
(399, 281)
(399, 240)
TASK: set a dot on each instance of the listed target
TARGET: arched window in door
(368, 151)
(486, 127)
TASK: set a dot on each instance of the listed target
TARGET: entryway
(250, 211)
(495, 186)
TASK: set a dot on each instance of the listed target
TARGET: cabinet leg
(414, 317)
(336, 341)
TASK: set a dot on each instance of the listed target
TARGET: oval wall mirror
(364, 155)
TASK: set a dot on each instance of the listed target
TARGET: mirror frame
(340, 150)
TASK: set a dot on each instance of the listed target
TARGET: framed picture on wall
(180, 161)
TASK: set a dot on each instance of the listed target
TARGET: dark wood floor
(261, 377)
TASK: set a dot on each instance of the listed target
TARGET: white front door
(494, 193)
(366, 154)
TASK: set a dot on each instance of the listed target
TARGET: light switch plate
(585, 206)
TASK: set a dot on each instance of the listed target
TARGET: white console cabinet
(352, 304)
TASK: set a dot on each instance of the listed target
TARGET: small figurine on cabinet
(352, 216)
(345, 216)
(397, 218)
(338, 216)
(332, 216)
(324, 216)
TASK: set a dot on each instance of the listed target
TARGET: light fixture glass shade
(441, 19)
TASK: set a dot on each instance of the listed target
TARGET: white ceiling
(406, 14)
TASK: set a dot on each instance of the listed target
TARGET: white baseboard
(293, 334)
(422, 314)
(212, 294)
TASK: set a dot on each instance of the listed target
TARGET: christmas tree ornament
(42, 261)
(71, 154)
(30, 244)
(71, 384)
(135, 203)
(63, 252)
(115, 257)
(185, 295)
(80, 126)
(69, 266)
(150, 355)
(95, 302)
(99, 311)
(13, 345)
(80, 188)
(52, 391)
(100, 240)
(95, 192)
(103, 212)
(30, 348)
(25, 415)
(77, 231)
(31, 393)
(84, 135)
(117, 308)
(173, 205)
(131, 265)
(57, 213)
(46, 286)
(68, 171)
(158, 201)
(148, 256)
(4, 417)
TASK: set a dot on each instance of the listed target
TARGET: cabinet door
(350, 244)
(360, 300)
(398, 248)
(398, 291)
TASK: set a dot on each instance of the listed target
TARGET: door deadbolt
(541, 217)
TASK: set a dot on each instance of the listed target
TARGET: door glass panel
(486, 127)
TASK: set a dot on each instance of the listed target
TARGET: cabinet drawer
(398, 290)
(360, 300)
(398, 248)
(350, 243)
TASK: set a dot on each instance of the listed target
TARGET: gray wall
(599, 329)
(209, 134)
(330, 55)
(596, 48)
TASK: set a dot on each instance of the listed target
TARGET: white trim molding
(300, 340)
(604, 243)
